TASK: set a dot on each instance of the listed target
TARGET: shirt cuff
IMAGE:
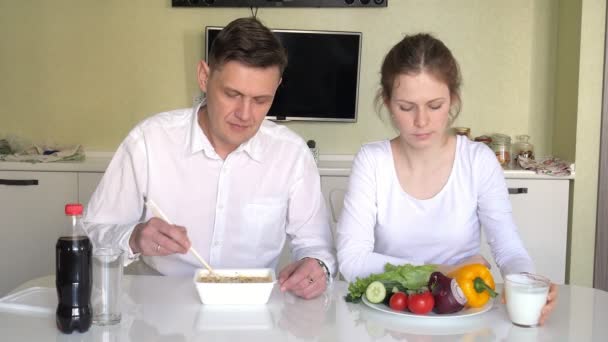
(124, 245)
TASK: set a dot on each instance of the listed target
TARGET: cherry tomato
(398, 301)
(421, 303)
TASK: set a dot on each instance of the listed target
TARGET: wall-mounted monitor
(321, 81)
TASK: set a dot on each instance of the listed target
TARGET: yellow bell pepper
(476, 283)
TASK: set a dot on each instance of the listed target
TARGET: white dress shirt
(381, 223)
(239, 212)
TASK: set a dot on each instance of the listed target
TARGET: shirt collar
(200, 142)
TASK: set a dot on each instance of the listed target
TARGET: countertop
(329, 165)
(168, 309)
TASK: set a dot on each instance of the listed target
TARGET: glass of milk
(526, 295)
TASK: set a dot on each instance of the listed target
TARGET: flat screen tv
(321, 81)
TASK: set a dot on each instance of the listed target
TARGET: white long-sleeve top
(381, 223)
(238, 212)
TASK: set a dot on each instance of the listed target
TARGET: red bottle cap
(73, 209)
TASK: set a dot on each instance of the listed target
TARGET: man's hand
(304, 278)
(157, 237)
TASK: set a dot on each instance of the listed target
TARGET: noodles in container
(235, 286)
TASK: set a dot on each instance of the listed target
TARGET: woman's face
(419, 108)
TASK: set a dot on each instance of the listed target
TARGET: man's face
(238, 98)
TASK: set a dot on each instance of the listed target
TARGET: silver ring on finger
(158, 248)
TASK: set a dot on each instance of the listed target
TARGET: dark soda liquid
(73, 275)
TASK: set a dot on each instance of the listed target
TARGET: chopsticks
(158, 213)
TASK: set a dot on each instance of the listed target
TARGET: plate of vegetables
(421, 291)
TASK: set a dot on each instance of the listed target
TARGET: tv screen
(321, 81)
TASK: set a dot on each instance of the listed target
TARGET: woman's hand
(549, 305)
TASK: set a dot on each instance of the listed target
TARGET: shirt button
(217, 243)
(220, 207)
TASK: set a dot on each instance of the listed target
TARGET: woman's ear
(202, 74)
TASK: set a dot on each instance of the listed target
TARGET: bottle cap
(73, 209)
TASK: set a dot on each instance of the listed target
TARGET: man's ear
(202, 74)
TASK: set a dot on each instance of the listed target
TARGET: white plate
(467, 312)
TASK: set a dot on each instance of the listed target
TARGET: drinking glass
(107, 283)
(526, 295)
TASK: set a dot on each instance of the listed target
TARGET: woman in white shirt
(423, 196)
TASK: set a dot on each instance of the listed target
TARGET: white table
(168, 309)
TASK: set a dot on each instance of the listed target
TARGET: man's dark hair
(247, 41)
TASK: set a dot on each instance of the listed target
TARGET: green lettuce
(406, 276)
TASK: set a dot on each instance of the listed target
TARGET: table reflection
(382, 326)
(306, 318)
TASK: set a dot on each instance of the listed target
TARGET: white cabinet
(87, 183)
(540, 210)
(32, 213)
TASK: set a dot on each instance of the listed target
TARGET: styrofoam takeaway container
(235, 293)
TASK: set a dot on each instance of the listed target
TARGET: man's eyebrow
(263, 97)
(259, 97)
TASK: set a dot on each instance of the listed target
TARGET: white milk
(526, 296)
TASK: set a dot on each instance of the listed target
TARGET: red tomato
(421, 303)
(398, 301)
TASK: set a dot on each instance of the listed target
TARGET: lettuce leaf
(409, 276)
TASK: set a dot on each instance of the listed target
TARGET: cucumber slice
(375, 292)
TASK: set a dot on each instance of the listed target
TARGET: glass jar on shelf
(501, 145)
(523, 148)
(486, 139)
(465, 131)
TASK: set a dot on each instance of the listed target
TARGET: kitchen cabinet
(540, 211)
(32, 212)
(33, 217)
(87, 183)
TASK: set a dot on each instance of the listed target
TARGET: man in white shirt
(236, 186)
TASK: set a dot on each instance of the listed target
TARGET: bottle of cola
(73, 275)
